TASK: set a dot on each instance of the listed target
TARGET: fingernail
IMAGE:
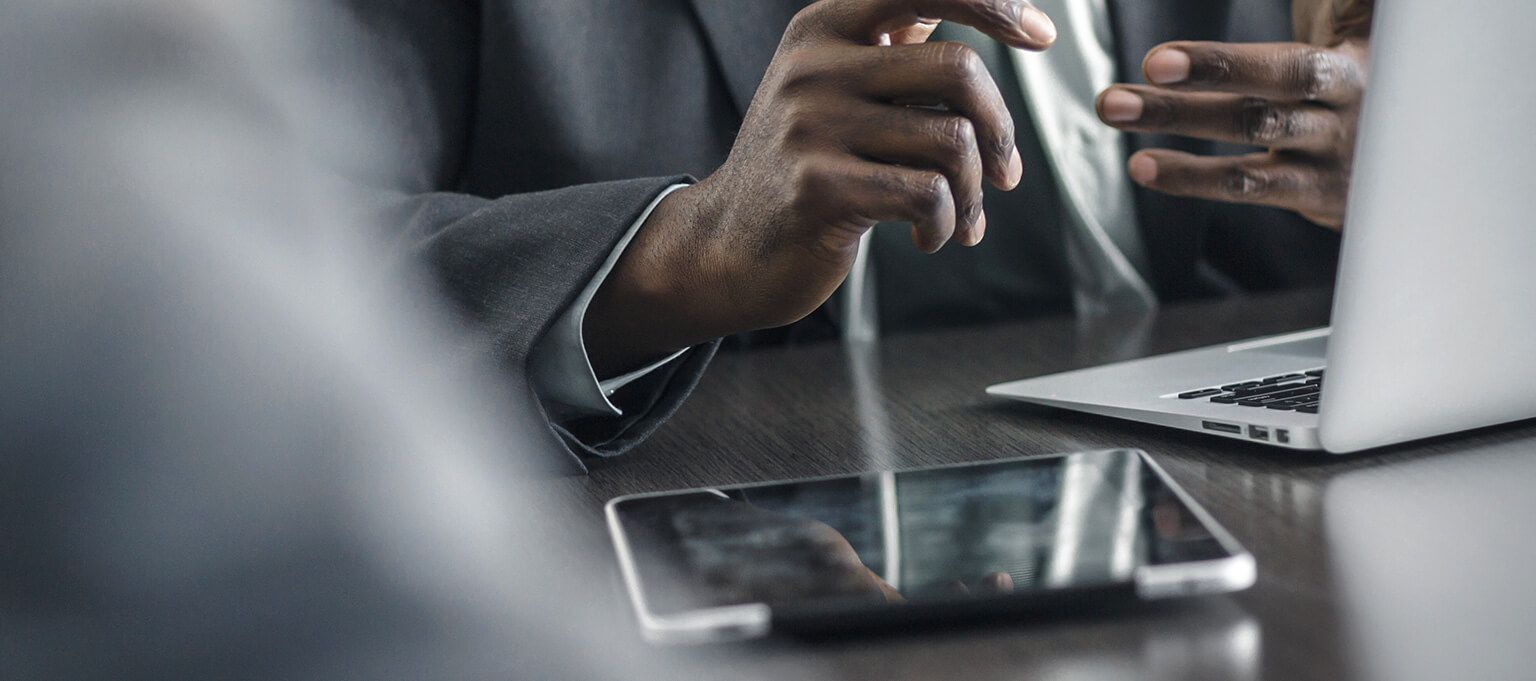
(977, 232)
(1143, 169)
(1015, 169)
(1000, 582)
(1168, 66)
(1037, 26)
(921, 241)
(1120, 106)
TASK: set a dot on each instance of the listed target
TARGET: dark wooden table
(1391, 564)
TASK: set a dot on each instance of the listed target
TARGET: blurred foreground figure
(230, 447)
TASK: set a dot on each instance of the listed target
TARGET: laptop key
(1240, 386)
(1305, 391)
(1309, 409)
(1281, 379)
(1195, 394)
(1316, 373)
(1265, 390)
(1225, 399)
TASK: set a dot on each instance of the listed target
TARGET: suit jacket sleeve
(511, 263)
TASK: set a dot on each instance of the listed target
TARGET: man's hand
(1300, 100)
(858, 120)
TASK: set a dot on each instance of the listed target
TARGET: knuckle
(800, 26)
(1001, 147)
(1000, 12)
(958, 135)
(802, 70)
(929, 190)
(887, 184)
(1008, 12)
(801, 127)
(1004, 143)
(821, 535)
(1254, 182)
(970, 211)
(1247, 182)
(1260, 122)
(1314, 73)
(806, 180)
(993, 131)
(1218, 66)
(1330, 188)
(796, 67)
(959, 62)
(1336, 186)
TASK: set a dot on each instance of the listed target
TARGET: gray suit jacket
(529, 120)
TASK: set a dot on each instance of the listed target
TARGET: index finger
(1016, 23)
(1282, 71)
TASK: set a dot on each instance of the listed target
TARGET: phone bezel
(1235, 572)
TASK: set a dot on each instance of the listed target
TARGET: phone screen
(973, 531)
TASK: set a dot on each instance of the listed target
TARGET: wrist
(660, 296)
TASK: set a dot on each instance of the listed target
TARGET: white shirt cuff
(560, 368)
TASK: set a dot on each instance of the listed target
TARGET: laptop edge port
(1258, 433)
(1222, 427)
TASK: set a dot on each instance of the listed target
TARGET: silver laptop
(1434, 317)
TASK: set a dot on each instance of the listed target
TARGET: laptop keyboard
(1297, 392)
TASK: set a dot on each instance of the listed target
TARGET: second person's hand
(1301, 101)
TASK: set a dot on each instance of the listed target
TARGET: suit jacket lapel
(744, 35)
(1173, 229)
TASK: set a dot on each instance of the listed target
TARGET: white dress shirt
(1104, 250)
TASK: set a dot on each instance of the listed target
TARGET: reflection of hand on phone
(748, 554)
(1169, 521)
(992, 583)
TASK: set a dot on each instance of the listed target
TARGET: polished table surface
(1409, 562)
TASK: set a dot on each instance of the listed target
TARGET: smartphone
(1061, 533)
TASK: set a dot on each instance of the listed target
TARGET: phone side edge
(1234, 572)
(730, 623)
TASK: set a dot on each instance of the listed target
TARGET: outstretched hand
(859, 120)
(1301, 101)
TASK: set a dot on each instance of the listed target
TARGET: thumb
(1352, 19)
(1331, 22)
